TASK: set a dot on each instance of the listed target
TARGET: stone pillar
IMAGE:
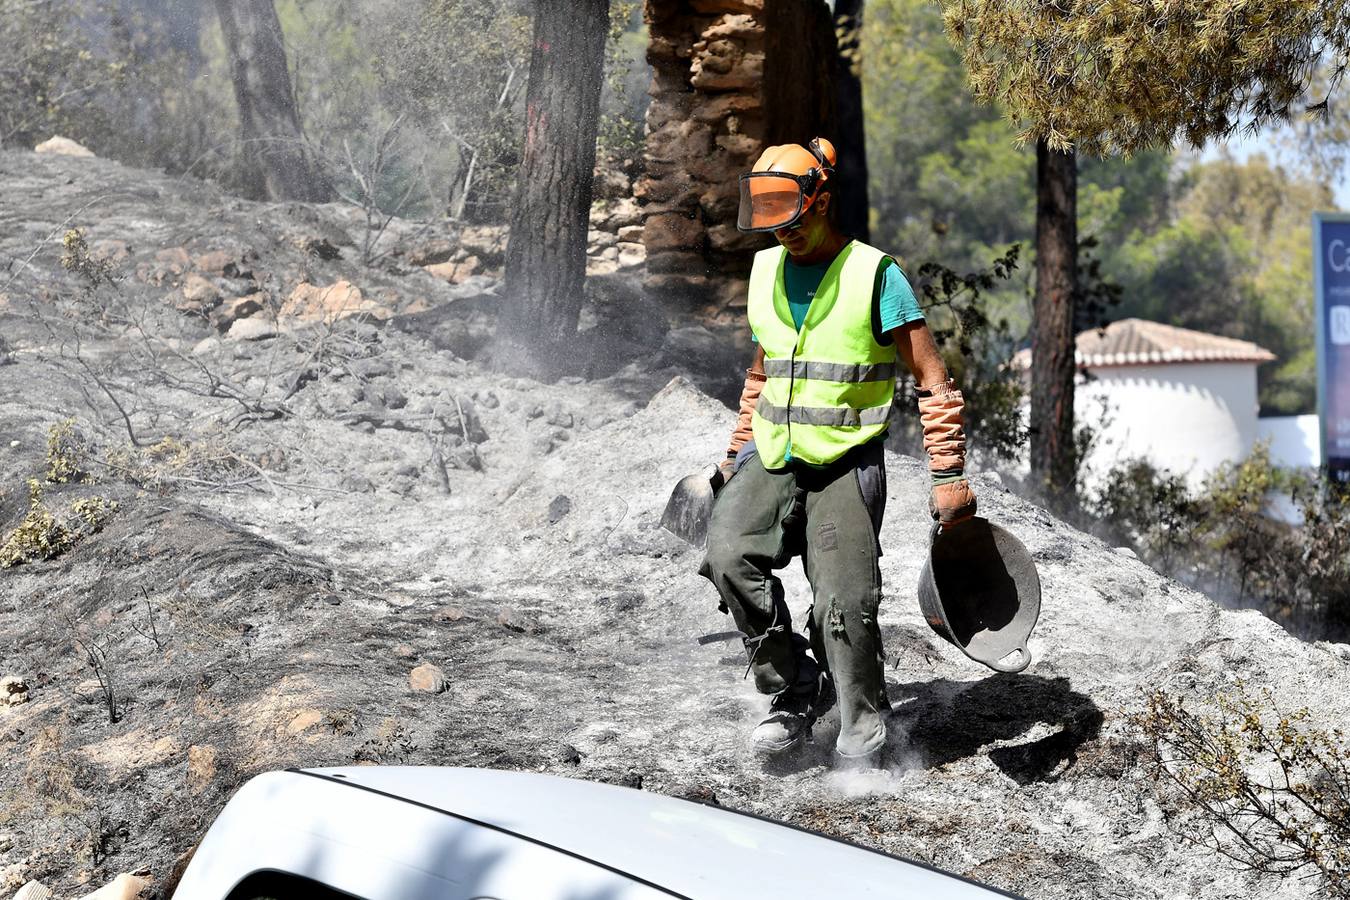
(729, 77)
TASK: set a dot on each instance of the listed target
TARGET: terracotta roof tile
(1139, 342)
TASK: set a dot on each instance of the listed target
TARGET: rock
(168, 265)
(256, 329)
(694, 345)
(198, 293)
(600, 267)
(471, 426)
(225, 315)
(449, 614)
(234, 263)
(721, 60)
(327, 304)
(455, 272)
(490, 400)
(358, 483)
(433, 251)
(373, 367)
(699, 793)
(125, 886)
(110, 250)
(631, 255)
(610, 183)
(559, 508)
(514, 620)
(202, 765)
(672, 232)
(315, 245)
(13, 691)
(598, 240)
(428, 678)
(6, 843)
(559, 416)
(303, 721)
(404, 651)
(63, 146)
(487, 242)
(625, 213)
(34, 890)
(1126, 552)
(385, 395)
(630, 234)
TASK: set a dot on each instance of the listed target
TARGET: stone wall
(729, 77)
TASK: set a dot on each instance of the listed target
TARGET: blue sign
(1331, 249)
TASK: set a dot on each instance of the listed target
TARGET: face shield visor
(773, 200)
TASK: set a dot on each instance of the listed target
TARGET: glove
(744, 431)
(952, 502)
(944, 439)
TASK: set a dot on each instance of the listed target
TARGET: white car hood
(694, 850)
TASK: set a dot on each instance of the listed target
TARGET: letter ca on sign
(1338, 257)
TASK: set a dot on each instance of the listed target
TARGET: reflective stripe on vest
(829, 385)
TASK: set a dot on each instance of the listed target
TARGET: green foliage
(1153, 509)
(51, 72)
(976, 348)
(103, 74)
(44, 535)
(75, 258)
(1119, 76)
(458, 70)
(1222, 540)
(947, 179)
(1233, 257)
(623, 99)
(66, 453)
(1266, 789)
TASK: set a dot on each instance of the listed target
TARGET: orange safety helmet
(784, 183)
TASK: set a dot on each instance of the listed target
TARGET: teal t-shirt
(895, 305)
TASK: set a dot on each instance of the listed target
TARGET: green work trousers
(831, 518)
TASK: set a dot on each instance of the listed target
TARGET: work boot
(793, 711)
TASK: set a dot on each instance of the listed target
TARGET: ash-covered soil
(323, 508)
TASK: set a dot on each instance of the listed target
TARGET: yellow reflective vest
(829, 386)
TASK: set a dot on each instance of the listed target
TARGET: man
(805, 473)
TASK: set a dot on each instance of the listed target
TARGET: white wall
(1188, 418)
(1295, 441)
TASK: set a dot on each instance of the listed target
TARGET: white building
(1184, 400)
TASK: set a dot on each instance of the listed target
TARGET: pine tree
(278, 162)
(1111, 77)
(546, 252)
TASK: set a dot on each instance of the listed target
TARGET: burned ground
(322, 505)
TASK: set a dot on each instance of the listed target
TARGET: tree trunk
(278, 162)
(1053, 461)
(851, 190)
(546, 252)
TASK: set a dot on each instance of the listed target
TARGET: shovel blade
(689, 508)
